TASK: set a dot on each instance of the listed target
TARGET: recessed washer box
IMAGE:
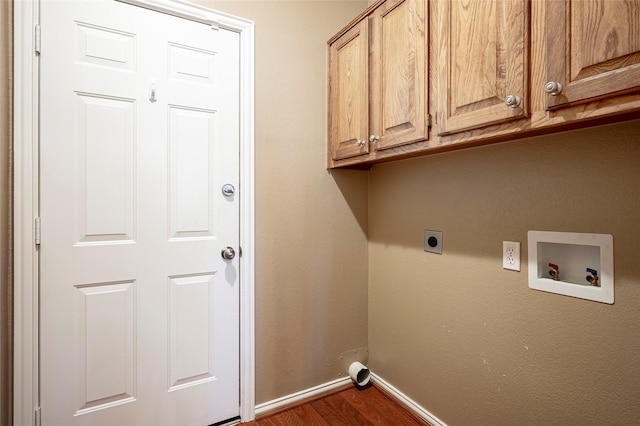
(572, 253)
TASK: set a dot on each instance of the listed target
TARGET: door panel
(105, 152)
(105, 320)
(140, 130)
(191, 340)
(190, 192)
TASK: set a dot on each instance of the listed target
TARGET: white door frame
(26, 199)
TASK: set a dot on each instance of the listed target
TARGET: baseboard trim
(406, 401)
(325, 388)
(290, 400)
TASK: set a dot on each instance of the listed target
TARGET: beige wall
(5, 210)
(470, 341)
(311, 243)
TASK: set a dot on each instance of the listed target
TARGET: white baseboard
(406, 401)
(287, 400)
(284, 401)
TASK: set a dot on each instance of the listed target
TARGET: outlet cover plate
(433, 241)
(511, 255)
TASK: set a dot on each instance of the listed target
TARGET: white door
(139, 134)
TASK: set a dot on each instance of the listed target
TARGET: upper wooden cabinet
(349, 93)
(378, 82)
(483, 63)
(593, 50)
(398, 98)
(483, 69)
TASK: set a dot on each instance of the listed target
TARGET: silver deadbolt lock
(228, 253)
(228, 190)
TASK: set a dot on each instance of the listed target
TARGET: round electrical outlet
(433, 241)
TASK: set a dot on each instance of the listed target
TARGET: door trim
(26, 200)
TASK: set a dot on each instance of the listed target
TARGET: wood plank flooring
(347, 407)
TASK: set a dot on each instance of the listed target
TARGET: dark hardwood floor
(345, 407)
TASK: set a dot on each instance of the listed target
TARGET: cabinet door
(348, 93)
(593, 49)
(485, 60)
(398, 73)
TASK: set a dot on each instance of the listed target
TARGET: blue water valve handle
(592, 271)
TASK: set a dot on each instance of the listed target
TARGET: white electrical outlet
(511, 255)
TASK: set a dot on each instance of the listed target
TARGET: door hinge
(36, 231)
(37, 39)
(37, 416)
(215, 24)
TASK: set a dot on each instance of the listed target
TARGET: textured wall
(470, 341)
(311, 243)
(5, 210)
